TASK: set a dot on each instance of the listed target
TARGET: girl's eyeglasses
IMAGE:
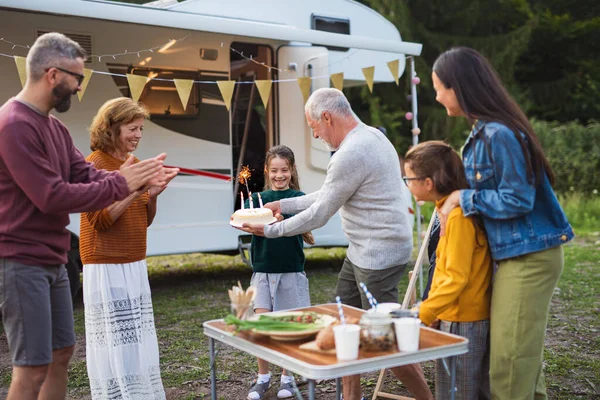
(407, 179)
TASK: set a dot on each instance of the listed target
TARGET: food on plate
(252, 216)
(284, 322)
(325, 340)
(305, 317)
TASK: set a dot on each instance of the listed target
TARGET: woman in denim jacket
(510, 189)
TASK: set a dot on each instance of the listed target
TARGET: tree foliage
(547, 53)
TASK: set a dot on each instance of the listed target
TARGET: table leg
(213, 369)
(452, 377)
(338, 388)
(311, 389)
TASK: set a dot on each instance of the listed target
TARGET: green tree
(546, 51)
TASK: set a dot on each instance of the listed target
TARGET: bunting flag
(136, 85)
(369, 72)
(22, 69)
(338, 80)
(87, 73)
(394, 67)
(264, 89)
(304, 84)
(184, 89)
(226, 88)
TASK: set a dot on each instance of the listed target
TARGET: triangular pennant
(264, 89)
(369, 72)
(304, 84)
(226, 88)
(338, 80)
(394, 67)
(136, 85)
(87, 75)
(22, 69)
(184, 89)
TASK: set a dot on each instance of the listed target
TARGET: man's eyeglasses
(407, 179)
(79, 77)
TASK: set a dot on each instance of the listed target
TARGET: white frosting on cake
(253, 216)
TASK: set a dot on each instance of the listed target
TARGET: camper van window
(333, 25)
(205, 106)
(161, 97)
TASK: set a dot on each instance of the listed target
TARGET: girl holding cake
(278, 264)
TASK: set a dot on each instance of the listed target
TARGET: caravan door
(312, 157)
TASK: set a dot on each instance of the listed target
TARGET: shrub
(583, 212)
(574, 153)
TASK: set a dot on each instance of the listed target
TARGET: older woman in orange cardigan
(121, 344)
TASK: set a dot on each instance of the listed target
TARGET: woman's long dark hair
(481, 95)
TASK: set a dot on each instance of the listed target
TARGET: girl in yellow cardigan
(459, 299)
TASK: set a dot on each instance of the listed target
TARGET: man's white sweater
(363, 181)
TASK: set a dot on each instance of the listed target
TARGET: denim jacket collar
(477, 127)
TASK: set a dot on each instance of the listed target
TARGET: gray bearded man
(43, 178)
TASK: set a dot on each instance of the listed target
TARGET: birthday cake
(252, 216)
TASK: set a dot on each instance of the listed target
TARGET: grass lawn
(190, 289)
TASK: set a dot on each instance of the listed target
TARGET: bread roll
(325, 339)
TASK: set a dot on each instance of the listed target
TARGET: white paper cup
(346, 341)
(407, 333)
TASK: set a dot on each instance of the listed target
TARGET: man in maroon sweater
(43, 178)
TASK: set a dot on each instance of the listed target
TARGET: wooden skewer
(418, 264)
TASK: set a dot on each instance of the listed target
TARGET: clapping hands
(149, 173)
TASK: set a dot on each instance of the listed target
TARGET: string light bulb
(167, 46)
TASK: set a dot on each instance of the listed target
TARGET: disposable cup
(407, 333)
(346, 341)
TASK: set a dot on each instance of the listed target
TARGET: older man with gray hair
(363, 181)
(43, 178)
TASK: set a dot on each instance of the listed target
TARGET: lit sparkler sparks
(243, 177)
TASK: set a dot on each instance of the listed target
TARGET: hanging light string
(170, 43)
(269, 67)
(200, 82)
(14, 45)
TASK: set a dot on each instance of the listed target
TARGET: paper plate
(239, 226)
(326, 320)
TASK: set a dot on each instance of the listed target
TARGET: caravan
(209, 41)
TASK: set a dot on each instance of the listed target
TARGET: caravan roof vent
(84, 41)
(332, 25)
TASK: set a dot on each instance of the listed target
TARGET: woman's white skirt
(121, 345)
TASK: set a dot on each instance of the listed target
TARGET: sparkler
(243, 177)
